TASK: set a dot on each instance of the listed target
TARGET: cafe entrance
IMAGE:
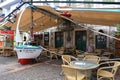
(80, 40)
(58, 39)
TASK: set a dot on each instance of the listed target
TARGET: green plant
(118, 30)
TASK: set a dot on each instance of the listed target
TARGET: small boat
(27, 53)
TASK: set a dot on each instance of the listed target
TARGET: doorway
(58, 39)
(80, 40)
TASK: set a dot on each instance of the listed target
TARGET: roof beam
(84, 2)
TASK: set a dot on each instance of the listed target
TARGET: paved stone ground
(10, 69)
(44, 69)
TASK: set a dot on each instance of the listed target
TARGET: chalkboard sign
(101, 41)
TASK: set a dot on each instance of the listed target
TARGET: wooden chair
(2, 50)
(53, 53)
(98, 51)
(8, 51)
(106, 56)
(93, 58)
(72, 50)
(79, 54)
(71, 73)
(87, 53)
(108, 71)
(67, 59)
(13, 53)
(61, 51)
(44, 53)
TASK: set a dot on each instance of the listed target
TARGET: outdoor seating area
(59, 40)
(75, 70)
(77, 64)
(85, 67)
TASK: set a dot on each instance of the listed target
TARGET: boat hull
(26, 54)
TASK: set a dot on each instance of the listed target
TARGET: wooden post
(31, 27)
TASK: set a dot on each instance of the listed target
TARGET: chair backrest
(61, 50)
(53, 50)
(97, 50)
(71, 73)
(2, 50)
(93, 58)
(115, 67)
(78, 52)
(107, 54)
(66, 59)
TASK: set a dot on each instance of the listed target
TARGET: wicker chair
(61, 51)
(53, 53)
(13, 52)
(93, 58)
(98, 51)
(71, 73)
(106, 56)
(67, 59)
(79, 52)
(2, 51)
(108, 71)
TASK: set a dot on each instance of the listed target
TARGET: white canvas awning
(43, 21)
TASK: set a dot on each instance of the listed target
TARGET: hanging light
(12, 18)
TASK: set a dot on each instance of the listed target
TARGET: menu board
(101, 41)
(46, 38)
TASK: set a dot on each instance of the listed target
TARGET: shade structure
(43, 20)
(93, 16)
(97, 18)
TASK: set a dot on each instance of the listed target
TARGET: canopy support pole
(31, 27)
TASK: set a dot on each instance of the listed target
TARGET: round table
(84, 65)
